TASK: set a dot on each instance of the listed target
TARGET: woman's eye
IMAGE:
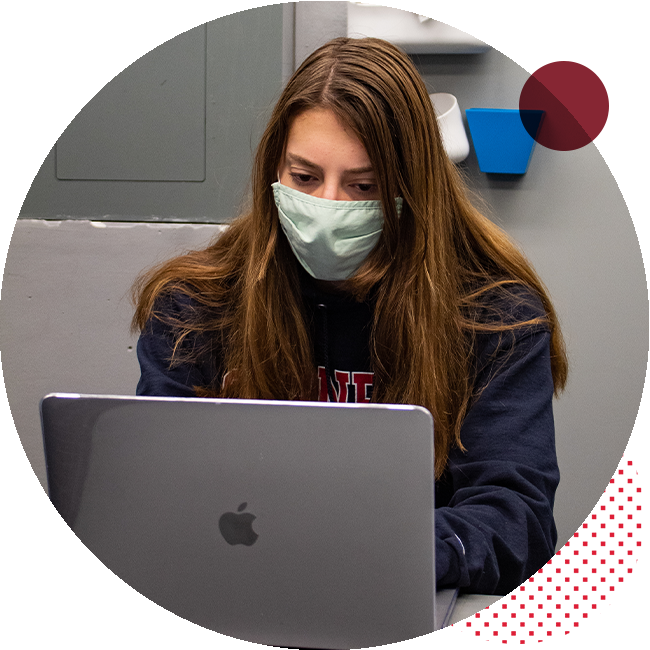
(301, 179)
(365, 188)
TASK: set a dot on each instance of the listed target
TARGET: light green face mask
(331, 239)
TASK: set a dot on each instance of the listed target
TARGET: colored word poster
(539, 18)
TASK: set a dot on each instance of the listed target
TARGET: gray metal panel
(244, 78)
(147, 124)
(342, 497)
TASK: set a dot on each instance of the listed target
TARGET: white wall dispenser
(426, 26)
(450, 122)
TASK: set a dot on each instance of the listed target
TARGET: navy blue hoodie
(494, 503)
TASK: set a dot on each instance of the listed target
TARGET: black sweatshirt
(494, 522)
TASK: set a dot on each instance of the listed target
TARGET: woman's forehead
(318, 135)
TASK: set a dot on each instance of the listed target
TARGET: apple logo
(238, 528)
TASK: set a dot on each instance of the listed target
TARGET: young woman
(363, 273)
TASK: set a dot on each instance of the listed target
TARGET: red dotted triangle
(579, 578)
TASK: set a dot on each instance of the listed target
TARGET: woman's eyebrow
(299, 160)
(360, 170)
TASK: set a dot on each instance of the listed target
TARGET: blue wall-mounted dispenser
(503, 144)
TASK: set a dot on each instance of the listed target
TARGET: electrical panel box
(136, 111)
(130, 91)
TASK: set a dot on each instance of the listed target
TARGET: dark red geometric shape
(575, 103)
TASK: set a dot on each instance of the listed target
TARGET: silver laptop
(293, 524)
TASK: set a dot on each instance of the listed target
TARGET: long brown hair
(430, 273)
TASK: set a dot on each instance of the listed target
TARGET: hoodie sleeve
(158, 377)
(494, 505)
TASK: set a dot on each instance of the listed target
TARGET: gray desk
(606, 626)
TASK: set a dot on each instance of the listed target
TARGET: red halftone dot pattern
(529, 620)
(605, 550)
(590, 567)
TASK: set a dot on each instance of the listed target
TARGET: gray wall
(172, 137)
(79, 243)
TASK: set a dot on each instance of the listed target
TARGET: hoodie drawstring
(322, 309)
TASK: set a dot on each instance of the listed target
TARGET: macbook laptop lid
(295, 524)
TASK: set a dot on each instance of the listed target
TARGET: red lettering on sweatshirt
(362, 382)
